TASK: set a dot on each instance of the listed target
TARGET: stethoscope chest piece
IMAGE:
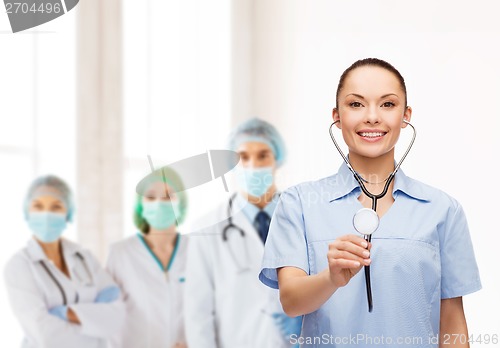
(365, 221)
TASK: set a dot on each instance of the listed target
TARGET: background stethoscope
(227, 230)
(58, 284)
(366, 220)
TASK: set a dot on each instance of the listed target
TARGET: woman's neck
(52, 250)
(373, 170)
(162, 239)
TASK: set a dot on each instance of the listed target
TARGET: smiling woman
(372, 93)
(422, 256)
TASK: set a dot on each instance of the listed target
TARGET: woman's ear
(406, 116)
(336, 117)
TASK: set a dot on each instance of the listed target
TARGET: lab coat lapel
(144, 255)
(35, 251)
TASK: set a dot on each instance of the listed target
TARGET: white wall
(37, 131)
(448, 53)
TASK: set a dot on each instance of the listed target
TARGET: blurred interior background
(89, 95)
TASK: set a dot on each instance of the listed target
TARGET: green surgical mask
(160, 214)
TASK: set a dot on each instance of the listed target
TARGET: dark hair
(371, 62)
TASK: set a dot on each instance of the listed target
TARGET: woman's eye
(388, 104)
(37, 206)
(355, 104)
(166, 197)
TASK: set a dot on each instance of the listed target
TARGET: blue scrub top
(421, 253)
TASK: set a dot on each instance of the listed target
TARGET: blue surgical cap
(258, 130)
(53, 186)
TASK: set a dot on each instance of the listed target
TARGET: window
(37, 116)
(176, 88)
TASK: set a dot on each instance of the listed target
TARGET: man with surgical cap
(225, 303)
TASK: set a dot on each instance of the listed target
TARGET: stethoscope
(235, 228)
(227, 229)
(80, 279)
(366, 220)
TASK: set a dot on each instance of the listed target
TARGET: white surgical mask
(46, 226)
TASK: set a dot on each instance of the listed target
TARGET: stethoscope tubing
(58, 284)
(372, 196)
(231, 224)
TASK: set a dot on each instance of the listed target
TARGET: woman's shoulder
(184, 242)
(430, 194)
(125, 244)
(18, 263)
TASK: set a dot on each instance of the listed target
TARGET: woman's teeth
(371, 134)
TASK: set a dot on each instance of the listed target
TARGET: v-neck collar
(157, 260)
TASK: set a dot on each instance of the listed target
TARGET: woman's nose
(372, 115)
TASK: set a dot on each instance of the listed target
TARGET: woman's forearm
(453, 326)
(302, 294)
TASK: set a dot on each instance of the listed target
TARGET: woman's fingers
(350, 247)
(344, 263)
(348, 256)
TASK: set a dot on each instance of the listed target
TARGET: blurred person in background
(226, 305)
(149, 266)
(58, 291)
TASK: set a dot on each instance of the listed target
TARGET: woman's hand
(72, 317)
(346, 256)
(180, 345)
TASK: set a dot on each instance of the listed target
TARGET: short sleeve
(459, 271)
(286, 242)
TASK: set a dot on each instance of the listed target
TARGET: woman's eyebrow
(382, 97)
(388, 95)
(356, 95)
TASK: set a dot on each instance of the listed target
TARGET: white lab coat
(32, 292)
(224, 307)
(153, 297)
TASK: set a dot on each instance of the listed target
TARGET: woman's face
(159, 191)
(371, 110)
(47, 203)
